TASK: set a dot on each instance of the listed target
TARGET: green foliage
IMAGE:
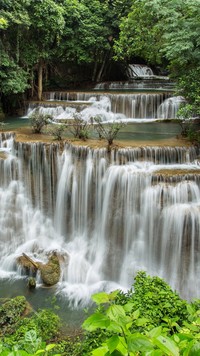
(20, 335)
(47, 323)
(157, 30)
(13, 79)
(11, 312)
(38, 121)
(189, 86)
(3, 23)
(156, 300)
(165, 33)
(151, 320)
(31, 344)
(190, 127)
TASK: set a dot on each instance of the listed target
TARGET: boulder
(50, 272)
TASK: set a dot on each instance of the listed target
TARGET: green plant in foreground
(118, 319)
(11, 312)
(30, 345)
(151, 320)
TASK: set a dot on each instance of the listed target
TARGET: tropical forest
(100, 177)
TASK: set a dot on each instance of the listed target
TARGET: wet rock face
(27, 266)
(50, 272)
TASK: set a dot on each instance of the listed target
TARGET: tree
(14, 20)
(47, 24)
(107, 131)
(38, 121)
(78, 127)
(165, 32)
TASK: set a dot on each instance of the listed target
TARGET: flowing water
(108, 214)
(128, 107)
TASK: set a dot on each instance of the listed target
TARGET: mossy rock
(50, 272)
(31, 283)
(11, 312)
(27, 266)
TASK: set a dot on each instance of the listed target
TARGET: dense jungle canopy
(69, 43)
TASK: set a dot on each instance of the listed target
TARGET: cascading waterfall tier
(109, 106)
(109, 214)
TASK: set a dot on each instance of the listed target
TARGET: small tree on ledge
(108, 131)
(38, 121)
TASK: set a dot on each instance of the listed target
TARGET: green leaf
(114, 327)
(31, 336)
(135, 315)
(155, 332)
(195, 350)
(112, 343)
(100, 298)
(115, 312)
(154, 353)
(128, 307)
(50, 347)
(122, 346)
(166, 345)
(142, 321)
(139, 342)
(101, 351)
(96, 321)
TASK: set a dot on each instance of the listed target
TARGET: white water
(109, 107)
(139, 70)
(107, 215)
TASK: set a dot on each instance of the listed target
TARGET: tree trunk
(95, 70)
(103, 65)
(40, 77)
(101, 70)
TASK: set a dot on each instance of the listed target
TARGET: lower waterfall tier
(108, 215)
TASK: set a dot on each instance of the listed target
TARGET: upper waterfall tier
(139, 77)
(110, 106)
(144, 84)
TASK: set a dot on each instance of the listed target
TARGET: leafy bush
(155, 300)
(11, 312)
(30, 345)
(39, 121)
(151, 320)
(190, 128)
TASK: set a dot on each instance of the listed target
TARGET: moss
(50, 272)
(11, 312)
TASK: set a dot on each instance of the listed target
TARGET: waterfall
(170, 106)
(108, 214)
(129, 107)
(139, 70)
